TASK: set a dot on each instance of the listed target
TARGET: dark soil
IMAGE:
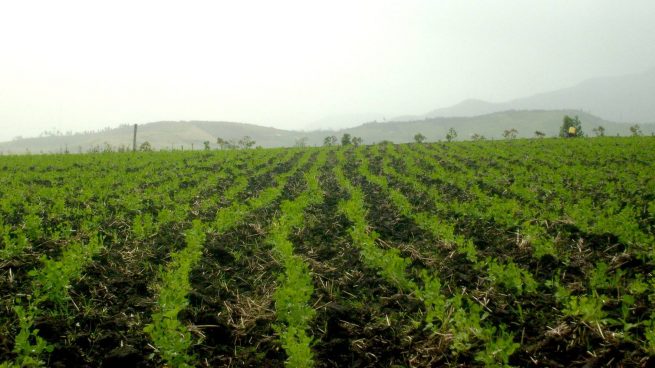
(362, 320)
(231, 306)
(113, 302)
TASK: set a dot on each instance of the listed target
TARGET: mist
(77, 66)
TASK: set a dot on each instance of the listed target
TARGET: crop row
(515, 253)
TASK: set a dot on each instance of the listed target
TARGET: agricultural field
(525, 253)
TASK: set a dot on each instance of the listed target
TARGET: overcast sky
(77, 65)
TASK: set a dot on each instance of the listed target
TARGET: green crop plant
(32, 226)
(638, 285)
(544, 207)
(435, 302)
(169, 335)
(612, 217)
(62, 231)
(649, 335)
(587, 308)
(621, 222)
(627, 303)
(465, 324)
(541, 244)
(602, 278)
(230, 217)
(460, 317)
(443, 230)
(171, 338)
(28, 345)
(143, 226)
(389, 263)
(505, 211)
(468, 249)
(165, 216)
(233, 214)
(296, 343)
(227, 218)
(295, 285)
(291, 299)
(52, 280)
(511, 277)
(561, 293)
(498, 348)
(13, 246)
(49, 283)
(294, 313)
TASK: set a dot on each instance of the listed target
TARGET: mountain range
(622, 99)
(613, 102)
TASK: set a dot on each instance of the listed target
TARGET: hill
(627, 98)
(188, 134)
(163, 134)
(490, 125)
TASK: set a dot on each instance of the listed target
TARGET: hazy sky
(77, 65)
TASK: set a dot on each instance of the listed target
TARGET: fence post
(134, 141)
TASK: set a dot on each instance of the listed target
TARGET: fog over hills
(160, 135)
(300, 66)
(623, 99)
(613, 102)
(491, 126)
(191, 134)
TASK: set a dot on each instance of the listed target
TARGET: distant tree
(568, 122)
(345, 139)
(419, 138)
(539, 134)
(599, 131)
(231, 144)
(107, 147)
(206, 144)
(356, 141)
(246, 142)
(221, 142)
(636, 130)
(330, 141)
(510, 133)
(452, 134)
(145, 147)
(477, 137)
(301, 142)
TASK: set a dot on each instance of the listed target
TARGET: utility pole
(134, 141)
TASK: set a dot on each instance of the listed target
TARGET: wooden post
(134, 141)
